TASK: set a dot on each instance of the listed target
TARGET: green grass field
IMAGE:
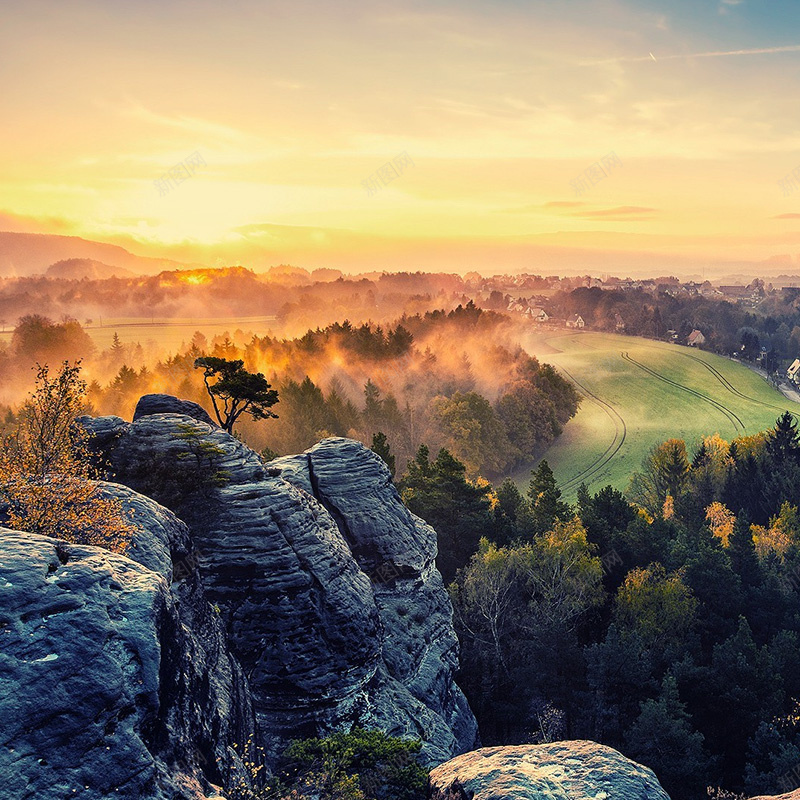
(165, 333)
(638, 392)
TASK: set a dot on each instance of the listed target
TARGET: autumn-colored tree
(720, 520)
(782, 533)
(656, 606)
(565, 575)
(45, 472)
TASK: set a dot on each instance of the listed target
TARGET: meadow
(637, 393)
(165, 334)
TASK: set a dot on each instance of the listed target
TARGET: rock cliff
(325, 582)
(110, 683)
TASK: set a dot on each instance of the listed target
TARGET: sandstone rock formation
(288, 600)
(325, 582)
(167, 404)
(107, 687)
(396, 550)
(558, 771)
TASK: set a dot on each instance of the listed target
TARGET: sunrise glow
(441, 135)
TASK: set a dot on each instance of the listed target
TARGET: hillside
(24, 254)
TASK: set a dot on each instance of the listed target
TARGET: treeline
(442, 378)
(665, 623)
(728, 327)
(295, 296)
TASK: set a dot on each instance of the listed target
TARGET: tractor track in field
(731, 388)
(620, 432)
(732, 416)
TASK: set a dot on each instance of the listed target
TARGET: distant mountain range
(23, 254)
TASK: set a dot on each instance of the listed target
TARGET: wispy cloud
(725, 5)
(787, 216)
(185, 123)
(553, 205)
(619, 214)
(755, 51)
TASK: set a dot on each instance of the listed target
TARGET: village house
(575, 321)
(696, 338)
(792, 372)
(539, 314)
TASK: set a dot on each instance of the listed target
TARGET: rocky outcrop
(167, 404)
(107, 687)
(544, 772)
(158, 538)
(325, 582)
(396, 550)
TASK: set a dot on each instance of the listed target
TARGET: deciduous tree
(45, 473)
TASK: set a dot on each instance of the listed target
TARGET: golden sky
(508, 114)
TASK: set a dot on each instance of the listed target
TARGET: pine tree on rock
(239, 390)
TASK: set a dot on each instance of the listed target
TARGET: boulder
(559, 771)
(167, 404)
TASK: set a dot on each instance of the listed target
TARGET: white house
(791, 373)
(575, 321)
(539, 314)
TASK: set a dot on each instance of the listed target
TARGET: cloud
(18, 223)
(185, 123)
(537, 209)
(724, 5)
(619, 214)
(787, 216)
(754, 51)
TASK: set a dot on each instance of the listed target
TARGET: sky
(419, 135)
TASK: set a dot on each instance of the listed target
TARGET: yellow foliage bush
(45, 470)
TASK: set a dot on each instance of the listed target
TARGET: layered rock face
(396, 550)
(545, 772)
(109, 684)
(325, 582)
(167, 404)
